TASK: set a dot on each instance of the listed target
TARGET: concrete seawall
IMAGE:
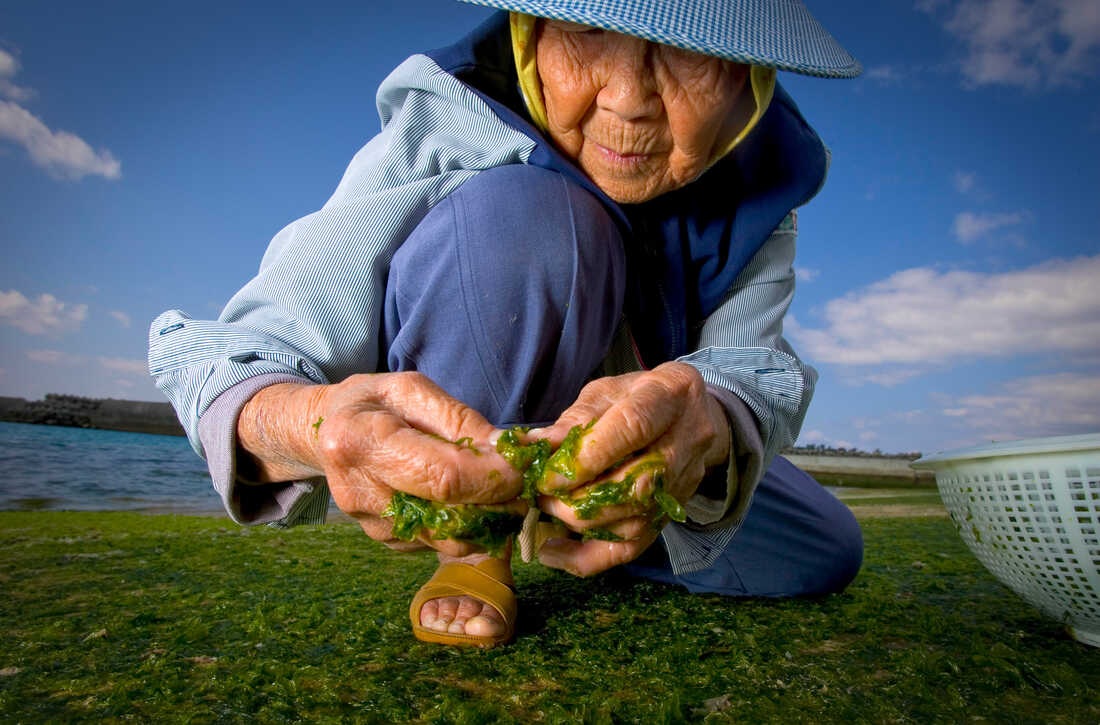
(860, 470)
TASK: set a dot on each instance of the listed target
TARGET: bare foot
(463, 615)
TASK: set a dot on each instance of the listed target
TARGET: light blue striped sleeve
(314, 309)
(742, 349)
(764, 387)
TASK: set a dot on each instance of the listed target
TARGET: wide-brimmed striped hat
(774, 33)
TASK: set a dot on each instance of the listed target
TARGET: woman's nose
(630, 88)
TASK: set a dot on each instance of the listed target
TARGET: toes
(438, 614)
(484, 626)
(468, 607)
(461, 615)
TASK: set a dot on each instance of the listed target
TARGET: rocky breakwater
(107, 414)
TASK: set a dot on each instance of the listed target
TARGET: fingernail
(550, 552)
(547, 558)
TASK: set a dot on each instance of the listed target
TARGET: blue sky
(949, 273)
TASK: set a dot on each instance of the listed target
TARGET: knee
(843, 548)
(524, 265)
(515, 233)
(539, 225)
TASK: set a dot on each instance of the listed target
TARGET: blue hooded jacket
(686, 247)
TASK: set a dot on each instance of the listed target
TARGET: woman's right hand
(374, 434)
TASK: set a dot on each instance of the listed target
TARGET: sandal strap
(483, 581)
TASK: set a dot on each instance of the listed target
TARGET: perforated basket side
(1034, 523)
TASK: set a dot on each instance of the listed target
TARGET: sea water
(78, 469)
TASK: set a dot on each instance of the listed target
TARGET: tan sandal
(483, 581)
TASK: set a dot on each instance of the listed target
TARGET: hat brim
(779, 34)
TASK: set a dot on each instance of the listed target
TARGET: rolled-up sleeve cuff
(280, 504)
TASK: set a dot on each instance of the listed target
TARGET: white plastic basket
(1030, 512)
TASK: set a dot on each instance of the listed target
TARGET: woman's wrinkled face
(640, 118)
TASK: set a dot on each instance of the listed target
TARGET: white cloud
(816, 437)
(964, 181)
(812, 436)
(805, 274)
(890, 378)
(886, 75)
(54, 357)
(122, 317)
(45, 315)
(62, 154)
(124, 365)
(59, 152)
(970, 226)
(9, 67)
(923, 317)
(48, 357)
(1043, 405)
(1024, 43)
(13, 92)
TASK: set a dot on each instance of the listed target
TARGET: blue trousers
(508, 294)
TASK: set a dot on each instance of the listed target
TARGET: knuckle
(401, 386)
(443, 482)
(357, 379)
(599, 386)
(333, 445)
(414, 378)
(683, 378)
(636, 428)
(466, 419)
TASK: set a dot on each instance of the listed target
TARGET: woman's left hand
(665, 412)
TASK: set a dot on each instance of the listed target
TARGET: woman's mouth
(621, 158)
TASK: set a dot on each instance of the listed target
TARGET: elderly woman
(579, 218)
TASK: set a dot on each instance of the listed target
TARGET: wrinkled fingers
(587, 558)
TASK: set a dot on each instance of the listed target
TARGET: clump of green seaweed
(538, 461)
(486, 528)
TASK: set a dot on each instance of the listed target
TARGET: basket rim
(1027, 446)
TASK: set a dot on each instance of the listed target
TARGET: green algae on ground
(208, 622)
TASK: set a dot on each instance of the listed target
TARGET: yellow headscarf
(523, 48)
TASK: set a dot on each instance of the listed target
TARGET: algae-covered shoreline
(122, 616)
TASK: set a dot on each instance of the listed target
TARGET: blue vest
(684, 248)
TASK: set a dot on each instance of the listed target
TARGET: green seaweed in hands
(536, 460)
(612, 493)
(413, 516)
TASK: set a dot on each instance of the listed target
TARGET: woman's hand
(374, 434)
(663, 414)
